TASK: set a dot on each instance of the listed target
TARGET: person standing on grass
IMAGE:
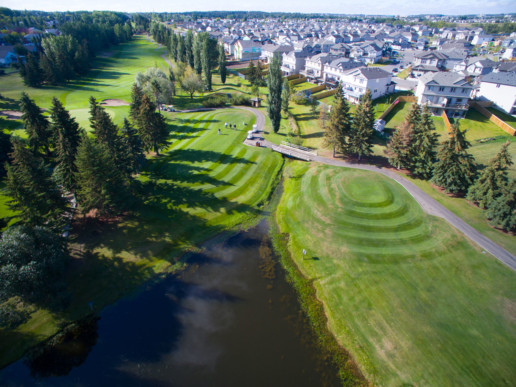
(226, 124)
(219, 130)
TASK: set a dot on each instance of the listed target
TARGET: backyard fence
(493, 118)
(324, 94)
(401, 98)
(446, 121)
(298, 80)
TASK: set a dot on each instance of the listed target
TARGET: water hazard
(229, 320)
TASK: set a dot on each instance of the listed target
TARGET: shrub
(301, 99)
(215, 101)
(240, 99)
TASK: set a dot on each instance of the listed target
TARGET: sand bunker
(114, 102)
(11, 114)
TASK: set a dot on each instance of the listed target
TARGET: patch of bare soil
(11, 114)
(114, 102)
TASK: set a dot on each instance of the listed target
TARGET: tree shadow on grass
(183, 173)
(201, 156)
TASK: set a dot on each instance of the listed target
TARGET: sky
(374, 7)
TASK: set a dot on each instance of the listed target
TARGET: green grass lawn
(406, 294)
(110, 77)
(511, 120)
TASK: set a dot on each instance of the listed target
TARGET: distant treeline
(241, 15)
(58, 59)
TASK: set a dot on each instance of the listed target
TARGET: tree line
(198, 52)
(58, 59)
(60, 167)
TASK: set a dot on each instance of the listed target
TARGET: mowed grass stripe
(426, 309)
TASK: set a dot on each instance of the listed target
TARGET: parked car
(395, 70)
(250, 135)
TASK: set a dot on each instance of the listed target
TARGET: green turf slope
(410, 298)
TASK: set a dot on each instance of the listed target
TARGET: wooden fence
(293, 76)
(324, 94)
(401, 98)
(315, 89)
(298, 80)
(446, 121)
(493, 118)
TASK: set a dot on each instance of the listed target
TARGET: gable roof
(444, 79)
(503, 78)
(370, 72)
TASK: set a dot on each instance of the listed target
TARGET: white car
(250, 135)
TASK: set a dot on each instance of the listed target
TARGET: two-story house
(334, 70)
(247, 50)
(500, 88)
(293, 62)
(475, 67)
(366, 52)
(444, 92)
(268, 51)
(356, 82)
(314, 66)
(429, 62)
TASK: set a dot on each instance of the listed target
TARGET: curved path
(429, 205)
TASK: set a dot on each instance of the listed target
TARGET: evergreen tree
(5, 149)
(173, 46)
(455, 169)
(36, 124)
(502, 211)
(361, 134)
(274, 83)
(285, 96)
(31, 72)
(488, 186)
(100, 184)
(222, 64)
(132, 148)
(136, 101)
(34, 195)
(398, 148)
(414, 115)
(180, 54)
(206, 68)
(339, 123)
(423, 144)
(151, 126)
(197, 48)
(189, 48)
(66, 138)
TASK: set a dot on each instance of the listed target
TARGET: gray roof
(432, 54)
(445, 79)
(501, 78)
(372, 72)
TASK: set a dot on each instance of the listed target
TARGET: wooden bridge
(292, 150)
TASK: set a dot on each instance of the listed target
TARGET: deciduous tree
(274, 83)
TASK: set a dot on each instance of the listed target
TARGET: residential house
(247, 50)
(314, 66)
(357, 81)
(7, 55)
(268, 51)
(500, 88)
(429, 62)
(366, 52)
(475, 67)
(293, 62)
(444, 92)
(334, 70)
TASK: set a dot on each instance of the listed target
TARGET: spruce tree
(423, 144)
(502, 211)
(414, 115)
(36, 124)
(31, 72)
(285, 96)
(274, 83)
(5, 149)
(339, 123)
(455, 169)
(151, 126)
(173, 46)
(222, 64)
(66, 138)
(100, 184)
(132, 147)
(180, 53)
(361, 134)
(35, 196)
(398, 148)
(488, 186)
(136, 101)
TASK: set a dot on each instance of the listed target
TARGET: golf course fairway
(408, 296)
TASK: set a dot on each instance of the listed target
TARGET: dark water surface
(229, 320)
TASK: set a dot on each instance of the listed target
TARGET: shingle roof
(444, 79)
(501, 78)
(372, 72)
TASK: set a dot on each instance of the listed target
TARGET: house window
(441, 88)
(464, 91)
(375, 90)
(452, 90)
(429, 88)
(459, 100)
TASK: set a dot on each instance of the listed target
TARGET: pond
(231, 319)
